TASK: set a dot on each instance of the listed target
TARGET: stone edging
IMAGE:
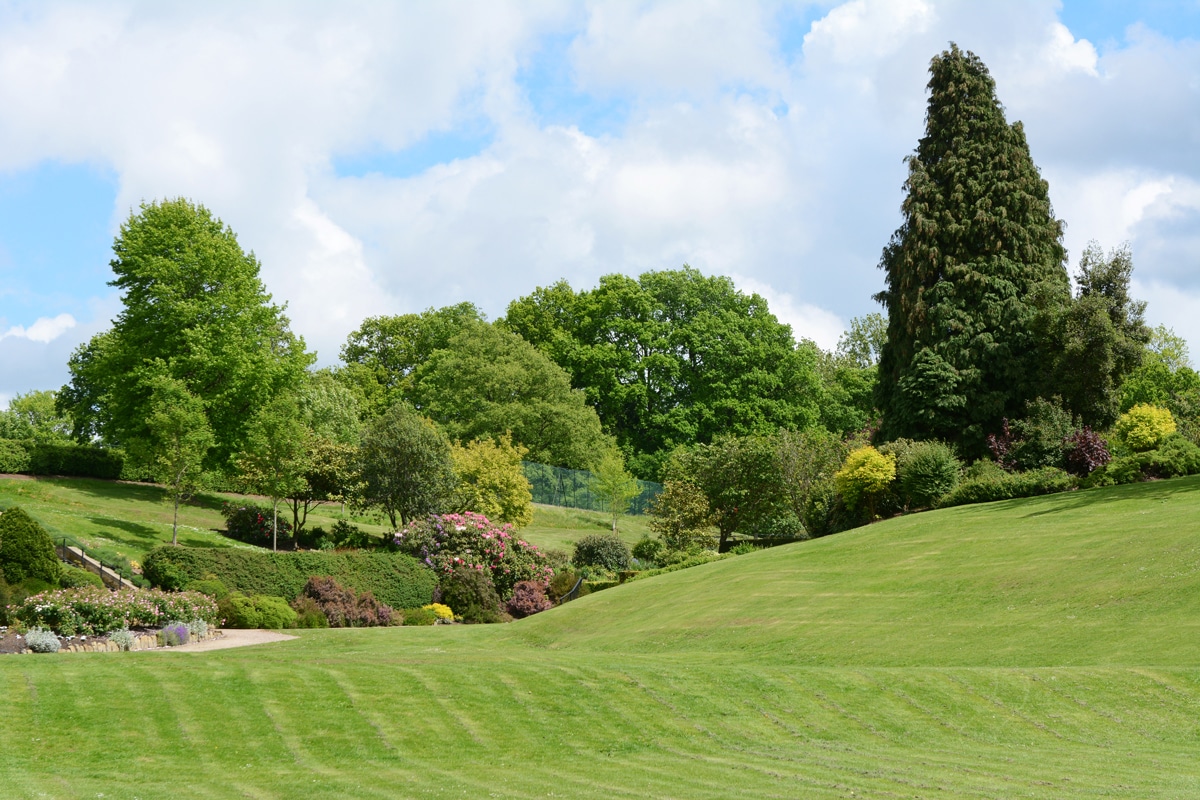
(145, 641)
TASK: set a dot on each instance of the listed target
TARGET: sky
(384, 158)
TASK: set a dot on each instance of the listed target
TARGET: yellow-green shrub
(441, 610)
(865, 475)
(1142, 427)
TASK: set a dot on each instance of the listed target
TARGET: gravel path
(228, 638)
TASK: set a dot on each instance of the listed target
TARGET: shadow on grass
(1160, 490)
(134, 533)
(111, 490)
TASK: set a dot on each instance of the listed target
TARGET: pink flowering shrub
(91, 611)
(470, 540)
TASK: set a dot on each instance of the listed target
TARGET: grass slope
(1042, 648)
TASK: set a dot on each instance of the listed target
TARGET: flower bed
(89, 611)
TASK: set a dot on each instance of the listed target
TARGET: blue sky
(382, 159)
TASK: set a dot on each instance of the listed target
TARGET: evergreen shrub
(26, 549)
(1142, 427)
(395, 579)
(1009, 485)
(472, 596)
(647, 550)
(238, 611)
(42, 641)
(420, 616)
(14, 456)
(74, 578)
(925, 472)
(604, 550)
(75, 460)
(209, 586)
(309, 613)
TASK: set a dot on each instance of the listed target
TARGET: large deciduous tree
(194, 310)
(673, 358)
(972, 273)
(405, 465)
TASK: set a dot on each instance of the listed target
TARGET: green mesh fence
(572, 488)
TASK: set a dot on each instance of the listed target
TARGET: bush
(123, 639)
(251, 524)
(275, 613)
(344, 608)
(471, 594)
(42, 641)
(14, 456)
(441, 610)
(865, 475)
(694, 560)
(1002, 485)
(1040, 435)
(174, 634)
(208, 586)
(75, 578)
(449, 541)
(1086, 451)
(1175, 457)
(420, 616)
(75, 460)
(603, 550)
(198, 628)
(238, 611)
(925, 472)
(1142, 427)
(647, 550)
(309, 613)
(742, 549)
(90, 611)
(682, 518)
(394, 578)
(528, 598)
(26, 549)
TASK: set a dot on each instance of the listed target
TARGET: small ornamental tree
(1086, 451)
(274, 460)
(681, 518)
(866, 474)
(26, 549)
(491, 481)
(1142, 427)
(179, 439)
(405, 466)
(615, 487)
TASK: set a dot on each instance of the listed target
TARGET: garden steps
(75, 555)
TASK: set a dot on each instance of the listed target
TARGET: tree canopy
(973, 272)
(194, 310)
(672, 358)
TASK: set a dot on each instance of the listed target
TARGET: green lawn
(1042, 648)
(559, 528)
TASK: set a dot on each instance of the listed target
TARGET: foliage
(488, 381)
(381, 356)
(1142, 427)
(330, 475)
(973, 271)
(672, 358)
(309, 613)
(865, 475)
(491, 481)
(604, 550)
(345, 608)
(198, 628)
(275, 612)
(561, 585)
(14, 457)
(90, 611)
(253, 524)
(925, 472)
(449, 541)
(1000, 485)
(42, 641)
(26, 549)
(615, 487)
(421, 616)
(1039, 438)
(329, 410)
(75, 460)
(1166, 379)
(1099, 336)
(472, 596)
(209, 586)
(807, 463)
(174, 634)
(123, 639)
(179, 437)
(75, 578)
(394, 578)
(528, 598)
(405, 465)
(1174, 457)
(1086, 451)
(692, 560)
(862, 344)
(647, 550)
(194, 310)
(239, 612)
(35, 416)
(681, 518)
(741, 478)
(274, 460)
(441, 611)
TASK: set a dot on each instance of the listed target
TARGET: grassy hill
(1038, 648)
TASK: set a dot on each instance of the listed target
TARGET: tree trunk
(274, 525)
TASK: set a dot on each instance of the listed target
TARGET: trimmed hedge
(394, 578)
(70, 459)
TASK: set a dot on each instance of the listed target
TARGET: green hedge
(394, 578)
(71, 460)
(1009, 485)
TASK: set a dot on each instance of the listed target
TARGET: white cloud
(807, 321)
(44, 330)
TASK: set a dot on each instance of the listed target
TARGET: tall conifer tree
(973, 274)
